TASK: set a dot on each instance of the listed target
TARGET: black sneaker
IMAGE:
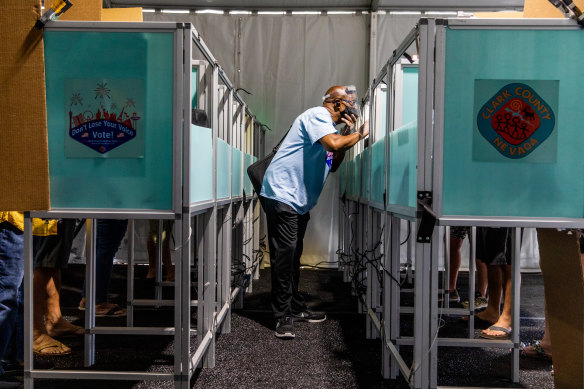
(309, 316)
(285, 328)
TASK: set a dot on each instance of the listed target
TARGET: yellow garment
(40, 227)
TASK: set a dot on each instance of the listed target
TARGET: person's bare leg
(495, 277)
(167, 261)
(455, 259)
(42, 342)
(504, 320)
(55, 324)
(151, 246)
(482, 280)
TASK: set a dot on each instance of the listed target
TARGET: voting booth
(477, 128)
(144, 124)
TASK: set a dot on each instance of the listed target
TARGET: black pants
(286, 230)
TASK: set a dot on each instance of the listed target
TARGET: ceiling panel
(467, 5)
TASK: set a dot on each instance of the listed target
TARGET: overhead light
(210, 11)
(405, 13)
(175, 11)
(148, 10)
(271, 12)
(240, 12)
(445, 13)
(306, 13)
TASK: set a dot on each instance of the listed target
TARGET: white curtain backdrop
(287, 62)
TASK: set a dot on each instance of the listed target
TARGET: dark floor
(333, 354)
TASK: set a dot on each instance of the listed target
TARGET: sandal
(46, 346)
(534, 350)
(506, 333)
(64, 329)
(114, 310)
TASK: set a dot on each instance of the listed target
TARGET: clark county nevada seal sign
(516, 120)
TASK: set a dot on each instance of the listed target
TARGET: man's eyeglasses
(350, 103)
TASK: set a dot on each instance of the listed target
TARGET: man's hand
(349, 123)
(364, 129)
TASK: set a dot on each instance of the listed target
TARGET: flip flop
(507, 333)
(111, 313)
(114, 311)
(47, 344)
(536, 351)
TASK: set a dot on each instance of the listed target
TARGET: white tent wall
(287, 62)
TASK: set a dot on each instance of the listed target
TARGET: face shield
(349, 101)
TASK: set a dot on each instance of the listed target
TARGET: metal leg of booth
(387, 360)
(89, 337)
(28, 302)
(130, 276)
(515, 318)
(182, 307)
(394, 296)
(225, 247)
(255, 222)
(420, 372)
(209, 285)
(158, 264)
(366, 232)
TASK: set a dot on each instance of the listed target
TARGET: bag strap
(276, 147)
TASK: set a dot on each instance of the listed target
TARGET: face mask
(351, 111)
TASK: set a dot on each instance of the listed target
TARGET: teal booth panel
(110, 119)
(223, 169)
(378, 171)
(410, 94)
(365, 178)
(403, 159)
(236, 173)
(201, 164)
(194, 82)
(513, 138)
(247, 187)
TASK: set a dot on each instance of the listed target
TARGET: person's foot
(8, 381)
(169, 274)
(309, 316)
(489, 317)
(151, 273)
(43, 344)
(105, 309)
(496, 332)
(63, 328)
(500, 330)
(481, 302)
(285, 328)
(17, 368)
(453, 297)
(536, 350)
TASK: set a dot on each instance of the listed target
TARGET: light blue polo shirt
(301, 165)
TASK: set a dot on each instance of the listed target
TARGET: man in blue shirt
(290, 189)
